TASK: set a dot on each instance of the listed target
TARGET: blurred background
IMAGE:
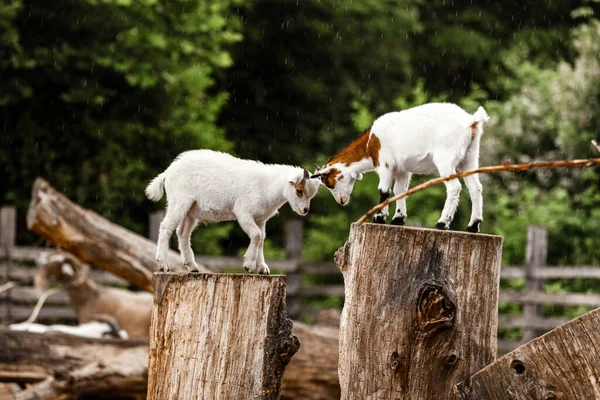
(99, 96)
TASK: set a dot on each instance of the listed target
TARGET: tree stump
(420, 314)
(219, 336)
(562, 364)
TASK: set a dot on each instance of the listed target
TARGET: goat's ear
(357, 176)
(306, 175)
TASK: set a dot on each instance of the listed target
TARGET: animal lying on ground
(92, 302)
(102, 328)
(435, 137)
(208, 186)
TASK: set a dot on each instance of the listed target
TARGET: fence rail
(17, 263)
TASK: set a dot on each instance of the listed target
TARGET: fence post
(421, 311)
(536, 256)
(8, 234)
(218, 336)
(294, 233)
(154, 220)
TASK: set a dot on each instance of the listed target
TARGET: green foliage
(99, 96)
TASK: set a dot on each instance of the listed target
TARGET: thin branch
(596, 145)
(485, 170)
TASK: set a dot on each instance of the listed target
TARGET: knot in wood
(395, 361)
(434, 309)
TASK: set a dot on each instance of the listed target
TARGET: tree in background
(99, 96)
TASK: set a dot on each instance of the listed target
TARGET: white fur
(432, 138)
(93, 329)
(208, 186)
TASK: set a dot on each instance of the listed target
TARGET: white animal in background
(433, 138)
(101, 328)
(208, 186)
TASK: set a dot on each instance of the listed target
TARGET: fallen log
(562, 364)
(66, 367)
(312, 373)
(47, 361)
(94, 239)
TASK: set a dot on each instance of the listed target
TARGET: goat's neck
(83, 292)
(362, 155)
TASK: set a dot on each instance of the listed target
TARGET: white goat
(435, 137)
(209, 186)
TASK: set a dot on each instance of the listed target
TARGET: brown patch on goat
(474, 130)
(331, 178)
(359, 149)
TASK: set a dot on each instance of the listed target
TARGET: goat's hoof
(379, 219)
(474, 227)
(400, 221)
(163, 269)
(442, 226)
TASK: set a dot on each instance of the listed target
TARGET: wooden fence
(18, 264)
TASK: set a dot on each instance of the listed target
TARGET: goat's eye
(299, 193)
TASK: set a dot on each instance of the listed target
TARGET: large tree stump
(420, 313)
(219, 336)
(92, 238)
(59, 366)
(562, 364)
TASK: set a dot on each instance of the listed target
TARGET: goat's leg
(401, 186)
(474, 186)
(475, 191)
(249, 226)
(452, 197)
(176, 212)
(385, 182)
(262, 266)
(184, 235)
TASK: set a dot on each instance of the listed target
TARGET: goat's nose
(306, 210)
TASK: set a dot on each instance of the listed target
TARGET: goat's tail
(156, 188)
(480, 116)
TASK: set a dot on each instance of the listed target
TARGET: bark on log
(312, 374)
(420, 312)
(219, 336)
(92, 238)
(562, 364)
(66, 367)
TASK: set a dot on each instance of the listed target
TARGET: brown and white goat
(131, 310)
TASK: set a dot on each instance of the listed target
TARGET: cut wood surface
(312, 374)
(420, 312)
(219, 336)
(92, 238)
(562, 364)
(66, 367)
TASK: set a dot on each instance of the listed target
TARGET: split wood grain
(420, 312)
(219, 336)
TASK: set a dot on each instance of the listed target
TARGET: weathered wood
(8, 226)
(312, 373)
(420, 312)
(219, 336)
(64, 366)
(536, 256)
(92, 238)
(563, 364)
(565, 299)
